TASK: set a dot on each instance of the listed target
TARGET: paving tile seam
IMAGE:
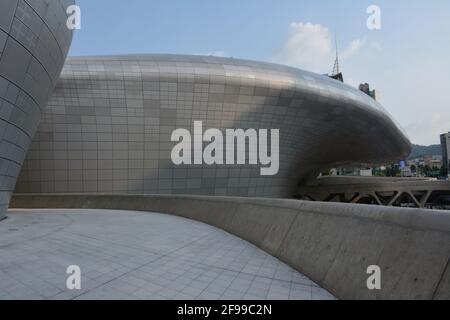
(140, 267)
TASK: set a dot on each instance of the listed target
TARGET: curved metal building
(34, 41)
(109, 123)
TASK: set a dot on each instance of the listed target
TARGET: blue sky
(408, 60)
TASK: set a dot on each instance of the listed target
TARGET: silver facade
(34, 41)
(108, 126)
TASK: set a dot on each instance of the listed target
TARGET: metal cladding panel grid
(34, 41)
(109, 123)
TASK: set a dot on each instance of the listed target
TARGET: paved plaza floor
(137, 255)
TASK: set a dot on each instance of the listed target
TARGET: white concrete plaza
(137, 255)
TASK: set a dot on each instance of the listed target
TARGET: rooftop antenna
(336, 70)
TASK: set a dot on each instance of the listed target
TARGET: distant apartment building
(406, 172)
(352, 172)
(445, 144)
(365, 87)
(433, 161)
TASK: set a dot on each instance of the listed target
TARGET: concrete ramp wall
(332, 243)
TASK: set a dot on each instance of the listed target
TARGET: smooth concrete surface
(137, 255)
(331, 243)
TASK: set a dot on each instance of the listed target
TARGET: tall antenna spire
(336, 70)
(336, 73)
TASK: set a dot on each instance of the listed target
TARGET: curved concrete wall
(109, 123)
(34, 41)
(333, 244)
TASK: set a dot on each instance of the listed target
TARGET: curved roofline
(290, 74)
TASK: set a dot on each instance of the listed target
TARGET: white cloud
(311, 47)
(352, 48)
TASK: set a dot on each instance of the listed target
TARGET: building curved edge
(109, 123)
(34, 42)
